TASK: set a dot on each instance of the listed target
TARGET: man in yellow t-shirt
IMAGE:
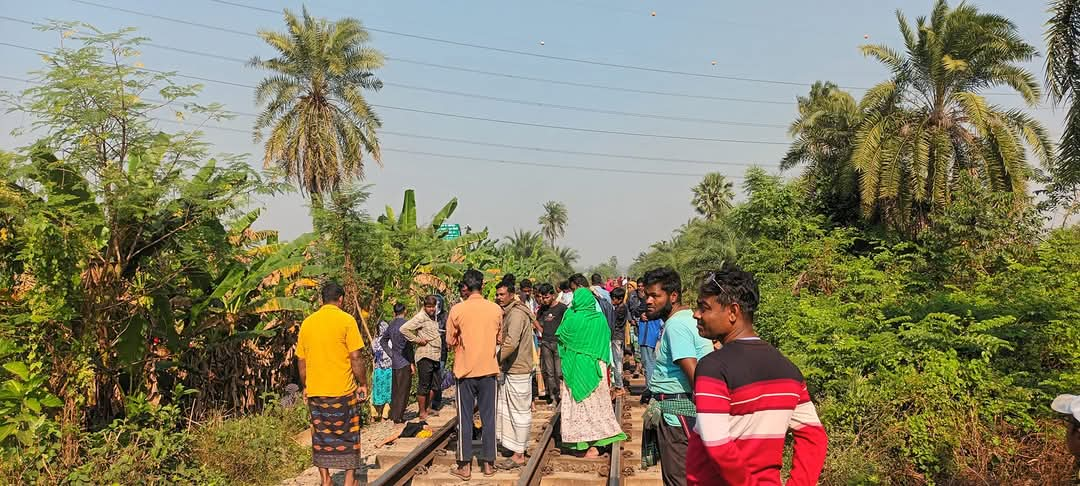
(335, 382)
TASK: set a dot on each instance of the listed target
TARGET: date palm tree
(713, 195)
(824, 131)
(553, 221)
(1063, 82)
(929, 122)
(319, 123)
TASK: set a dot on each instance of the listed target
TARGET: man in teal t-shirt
(672, 382)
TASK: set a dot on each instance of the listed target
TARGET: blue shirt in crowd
(649, 332)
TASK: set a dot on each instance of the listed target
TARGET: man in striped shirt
(748, 396)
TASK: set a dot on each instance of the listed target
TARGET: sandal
(460, 475)
(489, 474)
(508, 464)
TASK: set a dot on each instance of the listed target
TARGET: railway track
(427, 462)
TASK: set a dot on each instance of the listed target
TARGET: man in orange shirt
(472, 331)
(335, 382)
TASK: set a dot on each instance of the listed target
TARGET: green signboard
(452, 231)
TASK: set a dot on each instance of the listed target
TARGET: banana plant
(406, 220)
(253, 287)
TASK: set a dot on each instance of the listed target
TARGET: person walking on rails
(335, 382)
(514, 406)
(748, 396)
(550, 316)
(672, 413)
(423, 331)
(588, 420)
(401, 359)
(472, 330)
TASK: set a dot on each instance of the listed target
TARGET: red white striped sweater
(748, 396)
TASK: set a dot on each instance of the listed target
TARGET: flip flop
(487, 474)
(461, 476)
(508, 464)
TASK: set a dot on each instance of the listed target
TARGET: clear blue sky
(610, 213)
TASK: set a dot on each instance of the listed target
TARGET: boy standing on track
(748, 396)
(550, 316)
(472, 330)
(335, 382)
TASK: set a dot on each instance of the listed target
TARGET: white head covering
(1068, 405)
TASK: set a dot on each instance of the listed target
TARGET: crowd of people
(721, 401)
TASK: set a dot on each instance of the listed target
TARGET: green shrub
(255, 449)
(148, 446)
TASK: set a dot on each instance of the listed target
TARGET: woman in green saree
(588, 419)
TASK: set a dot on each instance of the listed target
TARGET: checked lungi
(335, 435)
(513, 411)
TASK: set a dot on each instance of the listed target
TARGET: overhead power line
(468, 117)
(672, 94)
(482, 143)
(537, 55)
(449, 68)
(552, 57)
(605, 170)
(480, 96)
(478, 46)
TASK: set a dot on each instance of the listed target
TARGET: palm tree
(824, 131)
(320, 124)
(524, 244)
(928, 122)
(713, 195)
(568, 256)
(553, 221)
(1063, 81)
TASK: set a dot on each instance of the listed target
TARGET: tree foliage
(319, 123)
(928, 123)
(130, 265)
(553, 221)
(1063, 82)
(824, 132)
(713, 196)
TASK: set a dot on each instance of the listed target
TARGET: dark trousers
(673, 442)
(399, 394)
(476, 392)
(550, 368)
(437, 402)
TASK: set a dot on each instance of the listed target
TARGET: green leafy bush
(255, 449)
(149, 445)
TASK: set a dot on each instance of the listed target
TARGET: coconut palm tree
(824, 130)
(929, 122)
(320, 124)
(713, 195)
(553, 221)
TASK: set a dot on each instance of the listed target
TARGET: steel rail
(530, 476)
(615, 471)
(405, 469)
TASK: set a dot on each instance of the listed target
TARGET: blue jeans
(617, 362)
(648, 360)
